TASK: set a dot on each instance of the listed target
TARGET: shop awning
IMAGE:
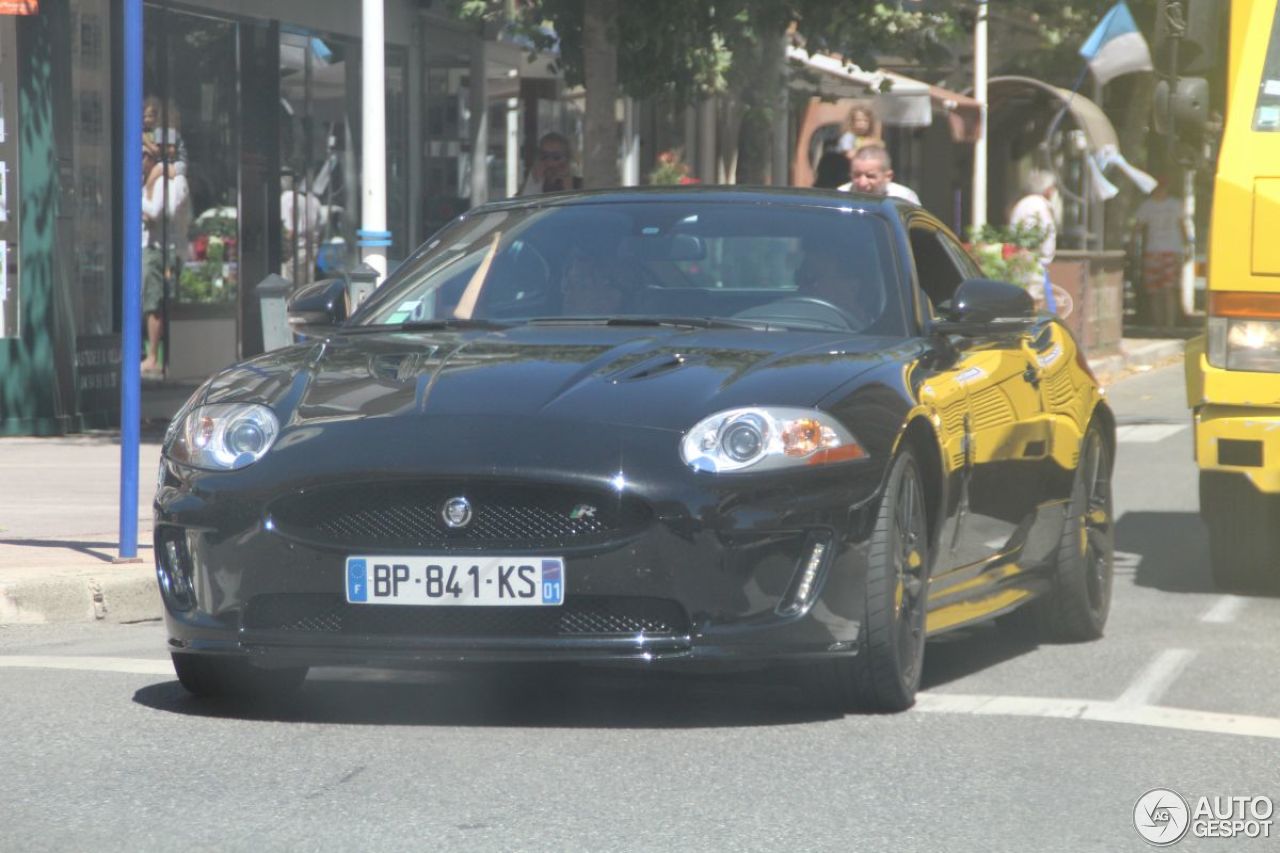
(899, 100)
(1012, 92)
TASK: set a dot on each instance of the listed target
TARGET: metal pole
(630, 143)
(479, 123)
(374, 236)
(513, 147)
(979, 217)
(131, 309)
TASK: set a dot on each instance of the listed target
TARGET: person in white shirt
(166, 217)
(302, 222)
(1035, 211)
(1161, 222)
(871, 172)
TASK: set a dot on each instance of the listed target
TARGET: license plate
(449, 581)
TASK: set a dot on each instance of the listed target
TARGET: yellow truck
(1233, 370)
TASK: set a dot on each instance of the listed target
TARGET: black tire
(1076, 607)
(885, 673)
(1244, 544)
(211, 677)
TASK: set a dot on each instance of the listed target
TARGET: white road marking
(1156, 677)
(1127, 561)
(1100, 711)
(137, 666)
(1147, 433)
(1224, 609)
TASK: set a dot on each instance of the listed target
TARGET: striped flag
(1115, 46)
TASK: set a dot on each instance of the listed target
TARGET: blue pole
(130, 148)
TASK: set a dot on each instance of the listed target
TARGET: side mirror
(318, 307)
(981, 306)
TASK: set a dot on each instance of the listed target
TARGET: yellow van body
(1233, 371)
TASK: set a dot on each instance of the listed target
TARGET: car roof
(789, 196)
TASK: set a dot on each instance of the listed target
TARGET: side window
(936, 269)
(968, 266)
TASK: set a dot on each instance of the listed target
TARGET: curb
(116, 594)
(1137, 355)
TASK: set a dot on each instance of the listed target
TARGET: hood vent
(650, 367)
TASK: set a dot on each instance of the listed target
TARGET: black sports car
(649, 426)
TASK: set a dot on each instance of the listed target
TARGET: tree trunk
(600, 73)
(763, 106)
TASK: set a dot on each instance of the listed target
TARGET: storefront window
(319, 154)
(9, 195)
(447, 164)
(188, 76)
(91, 153)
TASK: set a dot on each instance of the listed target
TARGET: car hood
(656, 377)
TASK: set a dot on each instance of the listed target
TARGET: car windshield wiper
(433, 325)
(662, 320)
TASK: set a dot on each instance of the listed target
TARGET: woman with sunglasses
(551, 170)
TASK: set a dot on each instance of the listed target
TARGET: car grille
(578, 616)
(408, 515)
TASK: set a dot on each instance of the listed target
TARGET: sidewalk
(59, 517)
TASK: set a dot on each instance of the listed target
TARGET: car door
(1006, 436)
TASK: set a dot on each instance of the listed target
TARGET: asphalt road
(1013, 747)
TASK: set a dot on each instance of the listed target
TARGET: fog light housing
(804, 585)
(173, 570)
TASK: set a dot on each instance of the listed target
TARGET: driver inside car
(592, 286)
(826, 276)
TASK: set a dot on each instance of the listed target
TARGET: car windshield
(764, 266)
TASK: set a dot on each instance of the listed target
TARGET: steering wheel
(803, 309)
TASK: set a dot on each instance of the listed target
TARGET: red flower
(1008, 250)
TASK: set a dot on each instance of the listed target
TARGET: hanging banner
(19, 7)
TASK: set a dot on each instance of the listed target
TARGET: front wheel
(210, 676)
(885, 673)
(1079, 601)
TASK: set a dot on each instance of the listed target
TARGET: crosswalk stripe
(1147, 433)
(1100, 711)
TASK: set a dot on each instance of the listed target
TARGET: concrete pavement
(59, 517)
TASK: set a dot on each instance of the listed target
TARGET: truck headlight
(223, 436)
(1244, 344)
(767, 438)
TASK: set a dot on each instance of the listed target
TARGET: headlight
(1241, 344)
(767, 438)
(222, 437)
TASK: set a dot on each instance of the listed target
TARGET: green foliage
(1008, 253)
(670, 170)
(689, 48)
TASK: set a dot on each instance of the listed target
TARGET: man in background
(871, 172)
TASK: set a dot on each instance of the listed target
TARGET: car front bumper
(709, 569)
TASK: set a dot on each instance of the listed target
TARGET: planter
(1093, 285)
